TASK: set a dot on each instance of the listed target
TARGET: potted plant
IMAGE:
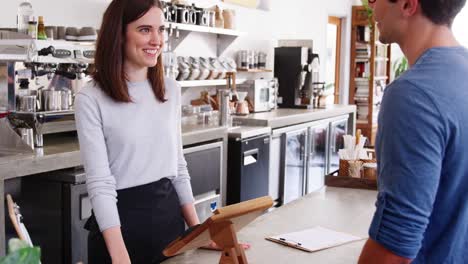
(19, 252)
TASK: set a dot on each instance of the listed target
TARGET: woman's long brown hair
(110, 50)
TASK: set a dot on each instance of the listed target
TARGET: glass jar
(262, 60)
(214, 120)
(251, 59)
(242, 59)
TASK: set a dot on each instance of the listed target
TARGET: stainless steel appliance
(294, 171)
(204, 163)
(261, 93)
(302, 155)
(248, 168)
(338, 128)
(50, 71)
(297, 71)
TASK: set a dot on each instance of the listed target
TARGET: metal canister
(224, 111)
(52, 100)
(66, 99)
(28, 103)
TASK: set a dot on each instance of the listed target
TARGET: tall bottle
(25, 12)
(41, 33)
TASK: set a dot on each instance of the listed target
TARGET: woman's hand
(214, 246)
(116, 246)
(121, 260)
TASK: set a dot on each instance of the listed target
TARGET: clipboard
(314, 239)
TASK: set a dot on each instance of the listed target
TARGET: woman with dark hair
(128, 123)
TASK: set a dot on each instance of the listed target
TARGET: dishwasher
(248, 165)
(205, 166)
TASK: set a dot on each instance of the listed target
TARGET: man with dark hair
(422, 141)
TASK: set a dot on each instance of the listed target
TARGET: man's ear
(408, 7)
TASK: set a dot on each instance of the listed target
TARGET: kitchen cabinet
(56, 217)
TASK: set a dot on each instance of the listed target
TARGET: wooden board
(348, 182)
(239, 215)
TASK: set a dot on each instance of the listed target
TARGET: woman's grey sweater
(125, 145)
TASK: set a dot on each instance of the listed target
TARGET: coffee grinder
(297, 70)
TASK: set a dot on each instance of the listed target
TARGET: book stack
(362, 51)
(361, 98)
(363, 33)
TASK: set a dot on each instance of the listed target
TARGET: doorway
(333, 56)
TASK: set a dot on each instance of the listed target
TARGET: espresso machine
(297, 70)
(40, 81)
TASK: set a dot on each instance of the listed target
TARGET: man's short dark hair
(441, 12)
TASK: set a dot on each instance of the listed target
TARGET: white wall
(292, 19)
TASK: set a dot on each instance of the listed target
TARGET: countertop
(340, 209)
(282, 117)
(242, 132)
(61, 151)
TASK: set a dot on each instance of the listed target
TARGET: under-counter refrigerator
(307, 153)
(248, 168)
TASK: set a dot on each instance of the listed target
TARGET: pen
(284, 239)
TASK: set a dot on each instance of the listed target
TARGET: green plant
(369, 10)
(400, 66)
(19, 252)
(329, 86)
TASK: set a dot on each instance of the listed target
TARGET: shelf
(225, 37)
(203, 29)
(202, 83)
(253, 70)
(377, 42)
(378, 78)
(361, 123)
(364, 124)
(361, 59)
(361, 79)
(381, 59)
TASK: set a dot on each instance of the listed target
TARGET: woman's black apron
(150, 217)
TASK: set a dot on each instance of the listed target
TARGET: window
(333, 55)
(459, 26)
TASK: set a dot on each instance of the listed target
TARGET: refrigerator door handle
(251, 152)
(250, 157)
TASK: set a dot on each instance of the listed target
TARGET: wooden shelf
(253, 70)
(203, 29)
(202, 83)
(377, 68)
(379, 59)
(378, 78)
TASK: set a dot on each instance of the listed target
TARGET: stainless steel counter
(340, 209)
(285, 117)
(62, 151)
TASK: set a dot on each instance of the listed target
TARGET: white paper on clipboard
(314, 239)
